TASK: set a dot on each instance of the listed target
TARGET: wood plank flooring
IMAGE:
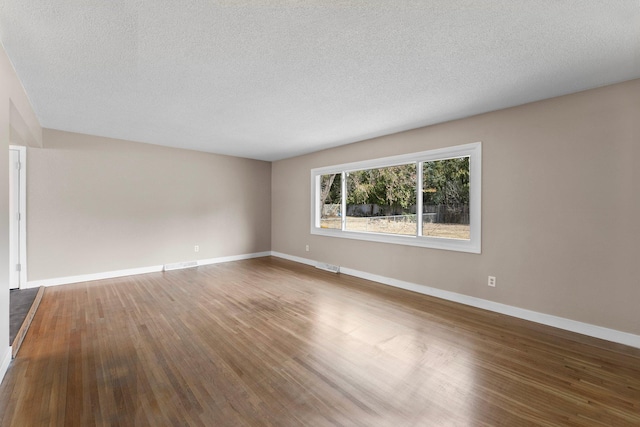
(267, 342)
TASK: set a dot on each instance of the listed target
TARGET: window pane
(445, 198)
(330, 200)
(382, 200)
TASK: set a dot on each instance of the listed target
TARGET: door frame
(22, 200)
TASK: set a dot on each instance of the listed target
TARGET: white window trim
(473, 245)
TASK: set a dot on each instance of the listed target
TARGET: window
(429, 199)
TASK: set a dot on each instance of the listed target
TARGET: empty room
(321, 213)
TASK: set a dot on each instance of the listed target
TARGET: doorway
(17, 217)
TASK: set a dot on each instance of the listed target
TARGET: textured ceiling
(270, 79)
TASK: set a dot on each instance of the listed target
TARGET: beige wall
(560, 205)
(96, 205)
(15, 113)
(560, 212)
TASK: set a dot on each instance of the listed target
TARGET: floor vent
(180, 265)
(328, 267)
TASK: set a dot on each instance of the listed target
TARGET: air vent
(180, 265)
(328, 267)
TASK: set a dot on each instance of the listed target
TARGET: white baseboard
(295, 258)
(534, 316)
(233, 258)
(521, 313)
(90, 277)
(5, 362)
(132, 271)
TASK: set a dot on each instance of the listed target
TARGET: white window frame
(473, 245)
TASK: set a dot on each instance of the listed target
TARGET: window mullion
(419, 208)
(343, 201)
(317, 206)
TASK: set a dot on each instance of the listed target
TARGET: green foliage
(446, 182)
(393, 186)
(330, 189)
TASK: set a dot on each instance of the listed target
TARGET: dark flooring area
(19, 305)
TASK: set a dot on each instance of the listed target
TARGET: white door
(14, 218)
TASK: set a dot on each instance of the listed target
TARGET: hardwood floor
(274, 343)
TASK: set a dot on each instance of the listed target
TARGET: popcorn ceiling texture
(270, 79)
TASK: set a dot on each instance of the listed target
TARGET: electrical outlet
(307, 248)
(492, 281)
(196, 248)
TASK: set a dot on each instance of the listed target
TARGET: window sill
(459, 245)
